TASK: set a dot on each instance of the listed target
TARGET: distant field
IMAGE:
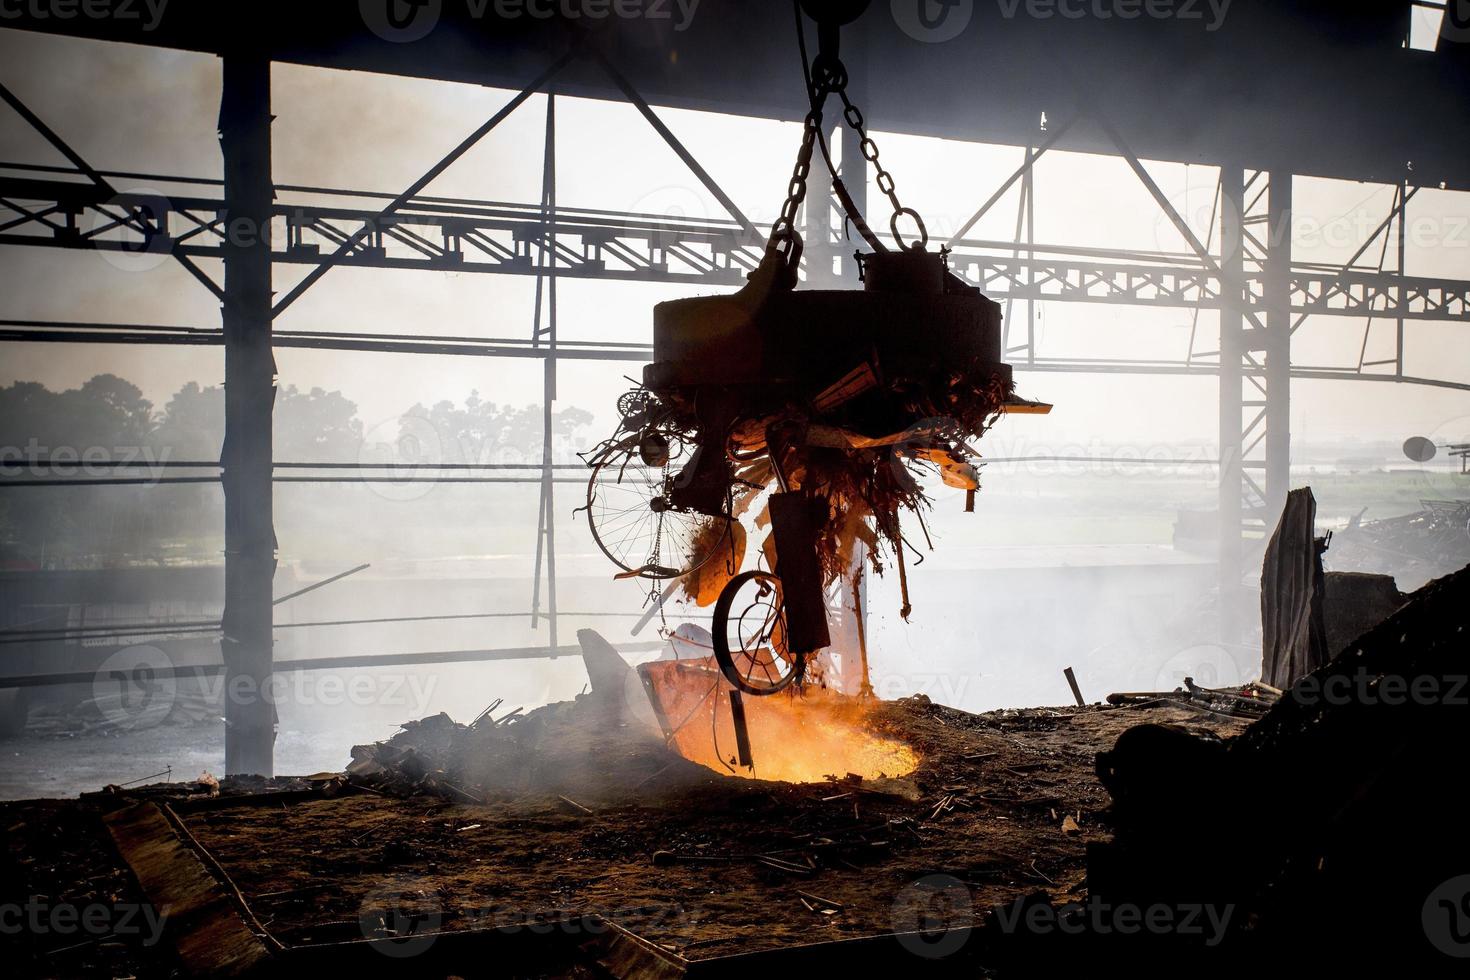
(1061, 504)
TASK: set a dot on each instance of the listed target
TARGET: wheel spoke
(622, 494)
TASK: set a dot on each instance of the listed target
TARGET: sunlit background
(1061, 564)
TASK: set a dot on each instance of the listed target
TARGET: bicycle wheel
(749, 631)
(634, 522)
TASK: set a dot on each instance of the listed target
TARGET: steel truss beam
(486, 237)
(39, 331)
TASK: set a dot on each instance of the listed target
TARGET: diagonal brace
(658, 124)
(1031, 157)
(93, 175)
(424, 181)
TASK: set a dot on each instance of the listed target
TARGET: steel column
(822, 229)
(851, 166)
(250, 381)
(546, 286)
(1277, 298)
(1232, 324)
(1403, 225)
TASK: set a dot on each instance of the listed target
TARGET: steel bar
(63, 634)
(250, 392)
(1277, 298)
(1066, 365)
(317, 585)
(144, 481)
(546, 288)
(1231, 370)
(1401, 201)
(352, 662)
(1167, 206)
(206, 464)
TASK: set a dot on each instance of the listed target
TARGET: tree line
(81, 432)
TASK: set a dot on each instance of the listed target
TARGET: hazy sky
(131, 108)
(138, 109)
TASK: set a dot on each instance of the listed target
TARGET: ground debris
(567, 748)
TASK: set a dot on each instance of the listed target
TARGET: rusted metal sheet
(199, 919)
(1293, 630)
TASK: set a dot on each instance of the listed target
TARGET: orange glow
(797, 737)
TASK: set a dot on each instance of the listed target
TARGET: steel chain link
(884, 179)
(829, 77)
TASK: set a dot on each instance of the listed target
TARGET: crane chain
(829, 77)
(854, 117)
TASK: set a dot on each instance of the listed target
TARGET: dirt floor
(747, 864)
(57, 853)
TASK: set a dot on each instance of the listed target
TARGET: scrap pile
(564, 747)
(1249, 701)
(843, 395)
(1413, 548)
(804, 417)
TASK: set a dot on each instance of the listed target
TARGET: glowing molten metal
(796, 736)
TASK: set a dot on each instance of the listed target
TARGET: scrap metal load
(808, 411)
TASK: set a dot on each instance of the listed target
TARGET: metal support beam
(1403, 225)
(546, 334)
(852, 168)
(487, 237)
(1028, 197)
(1255, 377)
(1232, 321)
(1277, 297)
(250, 378)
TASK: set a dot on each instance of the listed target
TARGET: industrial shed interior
(686, 488)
